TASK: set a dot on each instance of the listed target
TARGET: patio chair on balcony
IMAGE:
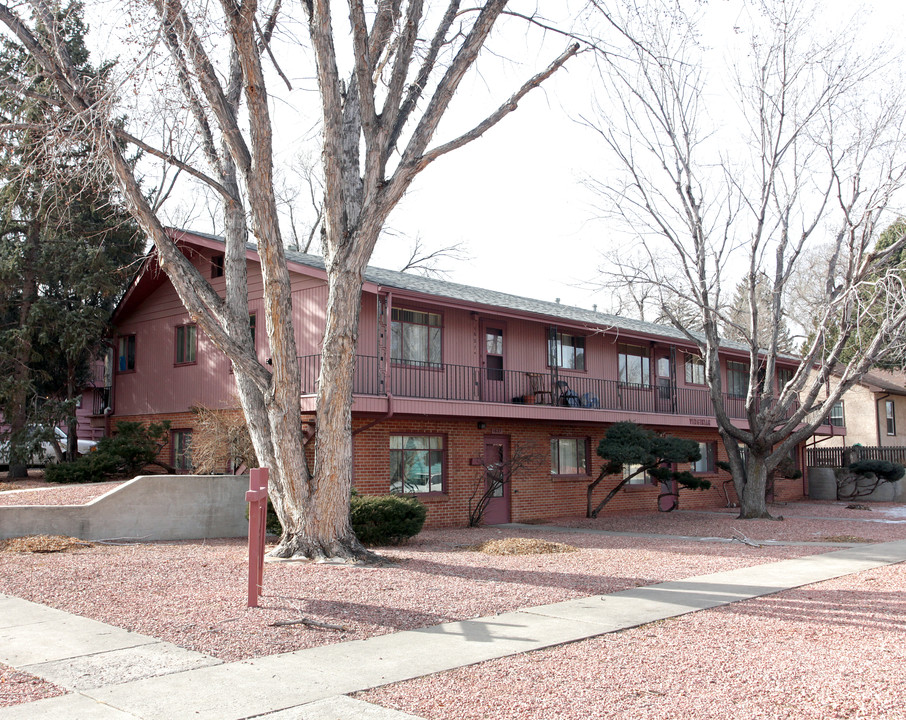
(565, 396)
(538, 390)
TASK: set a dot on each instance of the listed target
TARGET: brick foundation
(535, 494)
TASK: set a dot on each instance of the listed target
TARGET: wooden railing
(842, 456)
(474, 384)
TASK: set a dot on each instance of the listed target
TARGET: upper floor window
(416, 463)
(707, 462)
(567, 351)
(493, 339)
(634, 365)
(415, 337)
(695, 370)
(217, 266)
(185, 344)
(784, 377)
(891, 418)
(126, 354)
(569, 456)
(737, 379)
(835, 417)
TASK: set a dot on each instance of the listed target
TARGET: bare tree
(378, 124)
(424, 261)
(809, 159)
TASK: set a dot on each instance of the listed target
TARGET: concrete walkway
(159, 680)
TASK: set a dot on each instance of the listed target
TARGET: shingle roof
(492, 298)
(885, 381)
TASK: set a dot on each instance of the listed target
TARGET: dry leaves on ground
(522, 546)
(42, 544)
(847, 539)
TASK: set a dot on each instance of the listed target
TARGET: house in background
(872, 413)
(451, 381)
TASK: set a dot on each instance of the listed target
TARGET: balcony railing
(100, 401)
(474, 384)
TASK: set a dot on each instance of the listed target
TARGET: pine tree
(66, 250)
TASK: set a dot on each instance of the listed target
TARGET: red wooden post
(257, 500)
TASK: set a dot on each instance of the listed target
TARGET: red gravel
(830, 650)
(39, 492)
(18, 687)
(804, 521)
(193, 593)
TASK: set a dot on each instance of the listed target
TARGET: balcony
(473, 384)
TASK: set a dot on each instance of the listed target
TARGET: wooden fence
(838, 457)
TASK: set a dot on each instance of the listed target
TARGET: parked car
(45, 453)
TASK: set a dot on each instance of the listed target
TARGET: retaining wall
(150, 507)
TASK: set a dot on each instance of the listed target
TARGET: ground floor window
(706, 464)
(416, 463)
(569, 456)
(635, 477)
(181, 444)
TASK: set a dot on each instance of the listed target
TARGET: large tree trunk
(322, 528)
(752, 500)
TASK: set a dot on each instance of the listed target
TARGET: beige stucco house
(873, 412)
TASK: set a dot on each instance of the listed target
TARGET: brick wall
(535, 494)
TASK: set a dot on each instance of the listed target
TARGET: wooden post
(257, 500)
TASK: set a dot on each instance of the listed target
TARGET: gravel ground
(193, 593)
(809, 521)
(35, 491)
(830, 650)
(18, 687)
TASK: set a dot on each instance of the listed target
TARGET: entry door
(497, 481)
(493, 375)
(666, 385)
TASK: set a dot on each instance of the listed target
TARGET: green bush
(386, 519)
(132, 448)
(884, 470)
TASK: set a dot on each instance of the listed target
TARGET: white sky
(529, 223)
(515, 196)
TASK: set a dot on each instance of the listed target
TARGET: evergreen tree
(739, 325)
(66, 250)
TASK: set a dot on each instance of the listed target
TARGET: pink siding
(158, 386)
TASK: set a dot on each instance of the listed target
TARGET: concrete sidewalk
(311, 684)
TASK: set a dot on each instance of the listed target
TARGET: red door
(497, 480)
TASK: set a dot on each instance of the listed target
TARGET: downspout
(386, 362)
(386, 416)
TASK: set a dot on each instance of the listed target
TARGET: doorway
(497, 480)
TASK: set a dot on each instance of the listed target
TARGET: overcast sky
(514, 197)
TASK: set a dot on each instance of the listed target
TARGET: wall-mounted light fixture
(481, 425)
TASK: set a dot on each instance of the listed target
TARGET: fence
(840, 456)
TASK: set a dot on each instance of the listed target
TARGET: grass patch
(522, 546)
(846, 539)
(42, 544)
